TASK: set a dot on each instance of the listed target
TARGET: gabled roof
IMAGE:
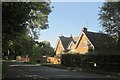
(58, 42)
(75, 39)
(99, 40)
(65, 41)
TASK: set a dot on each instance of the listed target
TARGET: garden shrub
(102, 61)
(70, 60)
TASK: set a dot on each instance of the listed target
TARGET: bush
(104, 62)
(38, 59)
(70, 60)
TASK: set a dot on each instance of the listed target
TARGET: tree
(21, 23)
(47, 49)
(110, 19)
(19, 16)
(43, 48)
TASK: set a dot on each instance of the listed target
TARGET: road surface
(23, 71)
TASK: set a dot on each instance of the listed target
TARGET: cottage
(83, 43)
(62, 44)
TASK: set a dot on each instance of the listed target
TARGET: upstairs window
(84, 44)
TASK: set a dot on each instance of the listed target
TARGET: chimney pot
(84, 29)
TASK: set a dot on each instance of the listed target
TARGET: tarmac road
(22, 71)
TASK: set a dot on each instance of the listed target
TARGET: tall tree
(43, 48)
(47, 49)
(20, 21)
(110, 19)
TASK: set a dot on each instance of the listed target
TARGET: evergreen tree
(110, 19)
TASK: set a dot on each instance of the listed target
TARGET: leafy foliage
(21, 24)
(110, 19)
(103, 62)
(43, 48)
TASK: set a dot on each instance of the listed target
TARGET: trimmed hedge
(70, 60)
(39, 59)
(92, 61)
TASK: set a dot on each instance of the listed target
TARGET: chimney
(71, 36)
(84, 29)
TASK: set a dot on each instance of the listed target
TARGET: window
(84, 44)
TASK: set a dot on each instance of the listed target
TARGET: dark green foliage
(103, 62)
(70, 60)
(47, 49)
(21, 24)
(40, 51)
(43, 48)
(110, 19)
(38, 59)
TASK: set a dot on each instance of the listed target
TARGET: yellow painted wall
(59, 49)
(80, 47)
(72, 46)
(53, 60)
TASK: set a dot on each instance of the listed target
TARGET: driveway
(23, 71)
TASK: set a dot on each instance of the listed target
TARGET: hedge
(92, 61)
